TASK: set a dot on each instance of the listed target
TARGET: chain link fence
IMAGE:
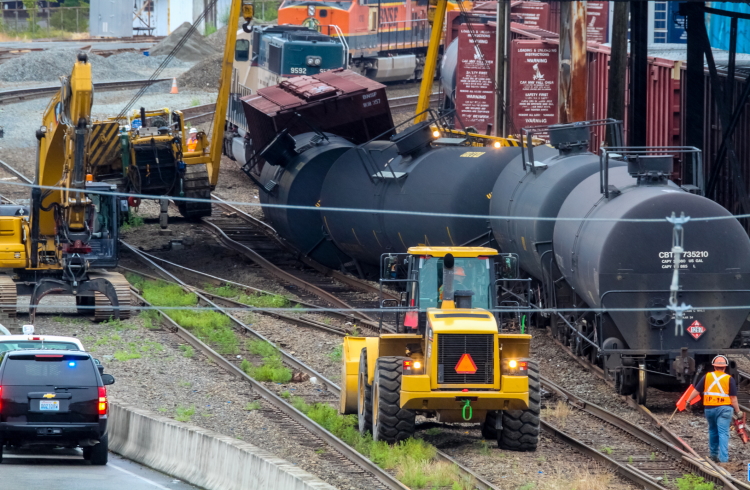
(41, 22)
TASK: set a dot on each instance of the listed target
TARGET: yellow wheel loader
(450, 358)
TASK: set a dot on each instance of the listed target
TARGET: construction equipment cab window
(471, 274)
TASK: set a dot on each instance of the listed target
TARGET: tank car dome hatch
(625, 265)
(451, 180)
(570, 137)
(280, 150)
(652, 169)
(298, 183)
(536, 193)
(414, 139)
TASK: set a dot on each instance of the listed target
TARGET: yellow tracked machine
(450, 358)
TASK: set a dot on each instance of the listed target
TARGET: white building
(125, 18)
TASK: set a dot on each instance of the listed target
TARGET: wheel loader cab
(449, 358)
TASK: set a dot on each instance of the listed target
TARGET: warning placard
(533, 84)
(534, 14)
(597, 17)
(475, 86)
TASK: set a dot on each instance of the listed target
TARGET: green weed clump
(208, 325)
(133, 221)
(336, 354)
(413, 459)
(264, 300)
(187, 350)
(272, 368)
(184, 414)
(693, 482)
(251, 406)
(123, 355)
(150, 319)
(227, 290)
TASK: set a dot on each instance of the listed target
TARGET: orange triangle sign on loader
(466, 365)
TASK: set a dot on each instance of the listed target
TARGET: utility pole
(618, 67)
(638, 107)
(573, 85)
(501, 36)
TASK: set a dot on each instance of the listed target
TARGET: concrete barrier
(201, 457)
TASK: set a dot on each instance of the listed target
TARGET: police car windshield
(470, 273)
(6, 346)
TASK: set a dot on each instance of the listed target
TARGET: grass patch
(264, 300)
(133, 221)
(251, 406)
(187, 350)
(412, 460)
(272, 368)
(150, 319)
(227, 290)
(184, 414)
(336, 353)
(693, 482)
(208, 325)
(123, 355)
(606, 450)
(433, 431)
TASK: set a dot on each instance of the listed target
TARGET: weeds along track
(232, 365)
(299, 427)
(305, 278)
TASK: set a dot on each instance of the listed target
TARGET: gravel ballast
(195, 48)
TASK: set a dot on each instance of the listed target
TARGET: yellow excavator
(150, 153)
(66, 240)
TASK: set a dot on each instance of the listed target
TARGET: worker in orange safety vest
(192, 142)
(719, 398)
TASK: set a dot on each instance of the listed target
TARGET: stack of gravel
(196, 48)
(204, 75)
(48, 66)
(218, 39)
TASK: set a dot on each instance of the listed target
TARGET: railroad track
(302, 276)
(701, 466)
(298, 425)
(19, 95)
(219, 301)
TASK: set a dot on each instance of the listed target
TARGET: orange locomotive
(387, 41)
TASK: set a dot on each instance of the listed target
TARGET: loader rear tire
(391, 423)
(521, 427)
(364, 396)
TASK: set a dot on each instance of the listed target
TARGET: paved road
(65, 469)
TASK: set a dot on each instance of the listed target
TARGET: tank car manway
(299, 426)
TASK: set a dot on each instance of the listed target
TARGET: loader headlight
(515, 367)
(412, 366)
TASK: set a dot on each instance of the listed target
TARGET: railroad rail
(334, 389)
(19, 95)
(707, 468)
(283, 411)
(259, 242)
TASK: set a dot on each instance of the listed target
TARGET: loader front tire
(391, 423)
(364, 396)
(520, 430)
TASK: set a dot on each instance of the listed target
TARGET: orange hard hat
(459, 271)
(720, 361)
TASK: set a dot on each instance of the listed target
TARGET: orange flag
(682, 402)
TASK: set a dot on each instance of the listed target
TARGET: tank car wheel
(364, 396)
(520, 430)
(622, 387)
(390, 422)
(642, 390)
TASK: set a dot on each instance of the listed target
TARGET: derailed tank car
(411, 174)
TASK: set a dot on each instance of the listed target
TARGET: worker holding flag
(719, 392)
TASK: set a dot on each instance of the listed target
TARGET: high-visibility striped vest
(716, 389)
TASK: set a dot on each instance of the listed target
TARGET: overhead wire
(384, 211)
(167, 60)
